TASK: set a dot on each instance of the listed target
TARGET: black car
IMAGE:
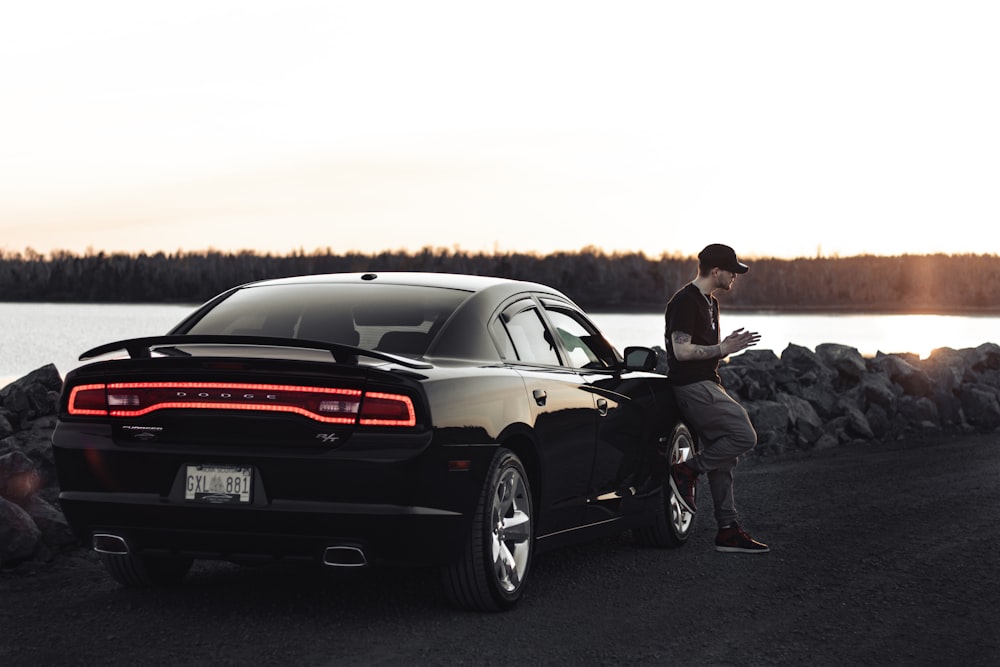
(447, 420)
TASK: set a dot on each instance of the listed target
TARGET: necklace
(711, 308)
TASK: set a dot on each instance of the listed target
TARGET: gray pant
(724, 432)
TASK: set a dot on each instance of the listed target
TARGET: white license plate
(218, 484)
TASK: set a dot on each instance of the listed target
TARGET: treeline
(593, 278)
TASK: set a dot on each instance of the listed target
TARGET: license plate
(218, 484)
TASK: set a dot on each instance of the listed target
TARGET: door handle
(602, 407)
(540, 396)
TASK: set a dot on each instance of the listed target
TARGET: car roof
(456, 340)
(460, 281)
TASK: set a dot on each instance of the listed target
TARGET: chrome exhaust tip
(106, 543)
(344, 556)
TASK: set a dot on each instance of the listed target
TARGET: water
(35, 334)
(869, 333)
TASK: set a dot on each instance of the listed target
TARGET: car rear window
(401, 319)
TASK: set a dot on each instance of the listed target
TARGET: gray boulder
(913, 380)
(31, 526)
(19, 536)
(845, 360)
(803, 417)
(981, 406)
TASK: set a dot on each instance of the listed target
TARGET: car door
(563, 411)
(624, 407)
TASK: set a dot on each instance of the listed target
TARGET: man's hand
(738, 341)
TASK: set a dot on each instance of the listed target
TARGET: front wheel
(493, 569)
(672, 523)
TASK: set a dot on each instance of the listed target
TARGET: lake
(34, 334)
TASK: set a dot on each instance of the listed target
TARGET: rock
(877, 389)
(857, 424)
(921, 412)
(55, 531)
(946, 368)
(803, 417)
(822, 398)
(770, 420)
(805, 363)
(32, 396)
(878, 421)
(30, 525)
(19, 536)
(19, 478)
(846, 361)
(913, 381)
(986, 356)
(756, 370)
(981, 406)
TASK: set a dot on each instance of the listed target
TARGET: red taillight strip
(74, 395)
(410, 420)
(232, 406)
(377, 417)
(227, 385)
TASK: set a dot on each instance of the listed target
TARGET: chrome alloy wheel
(671, 523)
(511, 533)
(681, 449)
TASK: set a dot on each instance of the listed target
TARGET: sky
(785, 129)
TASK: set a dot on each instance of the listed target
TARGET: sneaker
(733, 539)
(683, 480)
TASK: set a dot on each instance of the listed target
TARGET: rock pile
(31, 525)
(833, 396)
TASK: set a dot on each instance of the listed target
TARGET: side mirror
(640, 359)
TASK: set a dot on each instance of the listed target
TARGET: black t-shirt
(693, 313)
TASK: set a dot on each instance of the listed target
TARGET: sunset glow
(782, 128)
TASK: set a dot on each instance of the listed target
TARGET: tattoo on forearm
(697, 351)
(707, 351)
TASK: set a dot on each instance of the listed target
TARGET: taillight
(323, 404)
(380, 409)
(88, 399)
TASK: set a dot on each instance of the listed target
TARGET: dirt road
(882, 555)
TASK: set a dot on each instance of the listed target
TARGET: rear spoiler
(141, 348)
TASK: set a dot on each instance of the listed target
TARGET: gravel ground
(880, 555)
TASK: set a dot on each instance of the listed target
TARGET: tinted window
(586, 348)
(395, 318)
(529, 340)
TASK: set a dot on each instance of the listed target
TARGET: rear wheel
(493, 569)
(134, 571)
(672, 523)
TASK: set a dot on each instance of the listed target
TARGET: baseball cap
(723, 257)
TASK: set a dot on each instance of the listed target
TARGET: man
(721, 424)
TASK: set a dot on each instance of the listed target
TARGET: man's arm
(737, 341)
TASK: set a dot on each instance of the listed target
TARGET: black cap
(721, 256)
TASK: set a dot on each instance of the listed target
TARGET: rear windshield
(401, 319)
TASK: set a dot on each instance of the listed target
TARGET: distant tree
(593, 278)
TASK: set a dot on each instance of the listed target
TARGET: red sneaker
(733, 539)
(683, 481)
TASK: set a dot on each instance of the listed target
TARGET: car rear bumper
(150, 524)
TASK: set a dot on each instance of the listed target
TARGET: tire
(493, 570)
(134, 571)
(672, 523)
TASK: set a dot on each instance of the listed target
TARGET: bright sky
(782, 128)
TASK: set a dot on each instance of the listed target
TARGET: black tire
(493, 570)
(672, 523)
(133, 571)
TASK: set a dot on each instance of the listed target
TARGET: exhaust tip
(344, 556)
(106, 543)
